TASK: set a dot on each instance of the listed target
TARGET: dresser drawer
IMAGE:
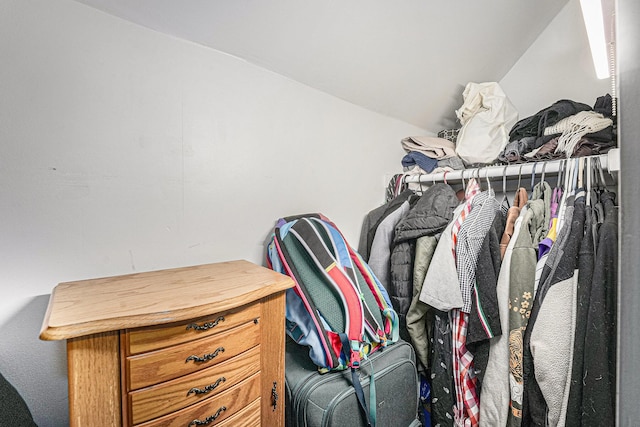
(161, 399)
(248, 417)
(146, 369)
(214, 410)
(155, 337)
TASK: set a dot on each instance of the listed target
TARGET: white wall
(126, 150)
(558, 65)
(628, 410)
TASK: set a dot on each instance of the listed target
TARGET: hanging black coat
(428, 217)
(585, 277)
(599, 391)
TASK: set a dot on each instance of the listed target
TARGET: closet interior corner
(510, 302)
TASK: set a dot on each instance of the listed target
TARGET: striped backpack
(337, 308)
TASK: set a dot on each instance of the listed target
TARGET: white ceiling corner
(407, 59)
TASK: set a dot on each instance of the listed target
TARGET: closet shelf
(610, 162)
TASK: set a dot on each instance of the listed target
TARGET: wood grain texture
(129, 346)
(273, 343)
(155, 337)
(155, 401)
(157, 297)
(94, 380)
(248, 417)
(233, 400)
(162, 365)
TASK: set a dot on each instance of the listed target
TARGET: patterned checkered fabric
(473, 189)
(484, 207)
(467, 409)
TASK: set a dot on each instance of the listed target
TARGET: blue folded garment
(425, 163)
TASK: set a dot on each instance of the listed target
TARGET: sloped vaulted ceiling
(407, 59)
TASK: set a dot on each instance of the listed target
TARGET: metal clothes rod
(610, 162)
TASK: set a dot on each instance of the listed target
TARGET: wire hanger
(504, 180)
(533, 177)
(581, 172)
(486, 176)
(400, 183)
(505, 199)
(588, 165)
(560, 172)
(566, 185)
(519, 175)
(575, 176)
(601, 173)
(476, 171)
(598, 208)
(567, 189)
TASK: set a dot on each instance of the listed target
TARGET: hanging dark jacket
(599, 390)
(548, 338)
(428, 217)
(373, 219)
(583, 291)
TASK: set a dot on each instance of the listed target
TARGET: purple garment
(545, 244)
(544, 247)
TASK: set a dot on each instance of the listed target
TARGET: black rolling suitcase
(329, 400)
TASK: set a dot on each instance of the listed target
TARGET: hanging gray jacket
(419, 323)
(550, 333)
(428, 217)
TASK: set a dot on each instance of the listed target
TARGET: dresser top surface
(92, 306)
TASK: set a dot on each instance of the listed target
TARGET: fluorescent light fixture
(594, 22)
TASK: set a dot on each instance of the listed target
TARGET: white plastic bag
(486, 117)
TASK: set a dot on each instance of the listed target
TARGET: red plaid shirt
(467, 409)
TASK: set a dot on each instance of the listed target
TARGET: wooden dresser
(193, 346)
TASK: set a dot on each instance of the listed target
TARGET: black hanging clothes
(428, 217)
(443, 394)
(599, 391)
(373, 219)
(580, 347)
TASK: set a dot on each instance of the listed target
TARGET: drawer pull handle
(205, 326)
(209, 419)
(274, 396)
(206, 357)
(208, 388)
